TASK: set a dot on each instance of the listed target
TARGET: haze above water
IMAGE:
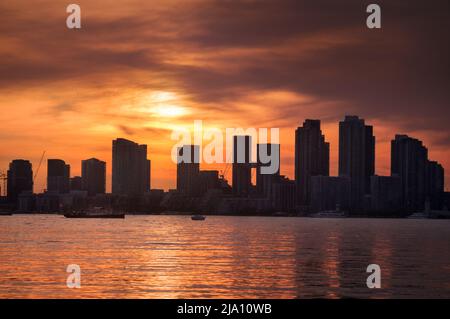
(223, 257)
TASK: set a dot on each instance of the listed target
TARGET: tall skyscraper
(93, 174)
(20, 179)
(130, 168)
(58, 176)
(408, 161)
(242, 166)
(312, 158)
(188, 169)
(356, 157)
(435, 184)
(264, 182)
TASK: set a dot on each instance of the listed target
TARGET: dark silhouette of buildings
(264, 182)
(283, 194)
(330, 193)
(385, 194)
(356, 157)
(408, 161)
(58, 176)
(420, 179)
(435, 184)
(242, 166)
(312, 157)
(93, 174)
(76, 183)
(20, 179)
(188, 170)
(130, 168)
(208, 180)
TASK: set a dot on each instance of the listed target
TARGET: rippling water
(223, 257)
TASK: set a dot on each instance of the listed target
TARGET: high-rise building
(312, 158)
(356, 157)
(209, 179)
(93, 174)
(434, 176)
(242, 166)
(188, 170)
(283, 194)
(76, 183)
(130, 168)
(409, 161)
(20, 179)
(385, 194)
(264, 182)
(58, 176)
(330, 193)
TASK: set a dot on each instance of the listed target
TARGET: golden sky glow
(138, 69)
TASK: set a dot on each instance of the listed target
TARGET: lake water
(223, 257)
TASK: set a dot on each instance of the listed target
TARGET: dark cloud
(398, 74)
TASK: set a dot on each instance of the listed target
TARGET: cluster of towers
(130, 174)
(413, 181)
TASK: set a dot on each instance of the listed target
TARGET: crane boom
(39, 166)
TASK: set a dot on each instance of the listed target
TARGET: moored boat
(96, 212)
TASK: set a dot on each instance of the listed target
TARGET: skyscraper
(188, 169)
(264, 182)
(20, 179)
(408, 161)
(356, 157)
(58, 176)
(435, 184)
(130, 168)
(93, 174)
(312, 158)
(242, 167)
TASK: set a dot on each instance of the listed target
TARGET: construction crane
(39, 166)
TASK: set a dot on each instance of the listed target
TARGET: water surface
(223, 257)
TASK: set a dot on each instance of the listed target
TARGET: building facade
(242, 166)
(356, 157)
(58, 176)
(93, 175)
(312, 157)
(188, 170)
(330, 193)
(409, 162)
(130, 168)
(20, 179)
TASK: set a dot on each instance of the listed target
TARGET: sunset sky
(138, 69)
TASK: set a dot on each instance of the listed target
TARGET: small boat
(96, 212)
(87, 215)
(198, 217)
